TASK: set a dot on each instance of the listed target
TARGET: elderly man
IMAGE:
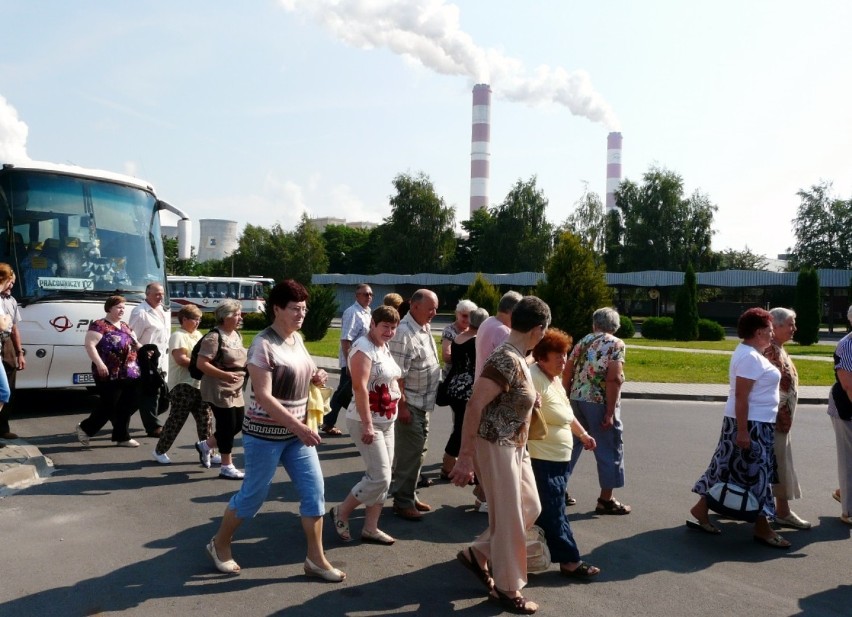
(415, 352)
(12, 351)
(151, 325)
(354, 324)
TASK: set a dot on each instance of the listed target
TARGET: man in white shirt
(150, 324)
(12, 352)
(354, 324)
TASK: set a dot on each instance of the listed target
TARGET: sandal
(518, 605)
(471, 564)
(331, 431)
(340, 526)
(707, 527)
(583, 571)
(611, 506)
(775, 541)
(570, 501)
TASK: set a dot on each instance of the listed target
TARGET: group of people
(128, 362)
(526, 401)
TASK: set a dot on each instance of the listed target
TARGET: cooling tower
(613, 168)
(218, 239)
(480, 147)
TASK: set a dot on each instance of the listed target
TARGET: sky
(261, 110)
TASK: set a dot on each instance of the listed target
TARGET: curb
(22, 465)
(706, 398)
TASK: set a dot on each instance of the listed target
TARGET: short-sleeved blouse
(215, 391)
(763, 398)
(558, 416)
(116, 350)
(591, 358)
(842, 361)
(505, 420)
(382, 384)
(181, 339)
(292, 369)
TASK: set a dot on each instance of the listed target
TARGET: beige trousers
(506, 477)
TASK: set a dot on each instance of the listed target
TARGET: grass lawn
(676, 367)
(656, 365)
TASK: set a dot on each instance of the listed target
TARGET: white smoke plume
(429, 32)
(13, 135)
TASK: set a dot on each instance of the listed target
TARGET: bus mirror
(184, 238)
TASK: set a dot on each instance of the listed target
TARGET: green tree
(348, 249)
(322, 307)
(261, 251)
(808, 307)
(588, 221)
(483, 294)
(418, 235)
(471, 253)
(519, 238)
(575, 286)
(823, 227)
(306, 255)
(663, 230)
(729, 259)
(175, 266)
(686, 308)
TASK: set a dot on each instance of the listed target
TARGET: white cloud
(13, 134)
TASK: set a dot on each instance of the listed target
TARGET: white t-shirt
(763, 399)
(382, 385)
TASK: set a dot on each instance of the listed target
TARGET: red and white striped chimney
(480, 147)
(613, 168)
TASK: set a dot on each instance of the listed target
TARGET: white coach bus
(207, 292)
(75, 236)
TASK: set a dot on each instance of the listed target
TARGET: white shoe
(482, 506)
(203, 453)
(130, 443)
(230, 472)
(216, 459)
(82, 437)
(793, 520)
(163, 458)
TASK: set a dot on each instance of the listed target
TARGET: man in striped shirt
(415, 352)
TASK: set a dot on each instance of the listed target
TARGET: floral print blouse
(505, 420)
(117, 350)
(591, 358)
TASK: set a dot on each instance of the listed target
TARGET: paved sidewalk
(22, 465)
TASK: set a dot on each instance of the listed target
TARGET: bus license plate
(83, 378)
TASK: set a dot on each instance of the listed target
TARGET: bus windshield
(74, 236)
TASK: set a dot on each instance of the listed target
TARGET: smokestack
(613, 168)
(480, 147)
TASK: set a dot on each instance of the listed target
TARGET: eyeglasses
(299, 310)
(365, 293)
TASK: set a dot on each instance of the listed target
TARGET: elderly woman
(840, 412)
(745, 454)
(783, 327)
(111, 346)
(494, 438)
(370, 418)
(593, 377)
(184, 391)
(460, 384)
(222, 359)
(551, 456)
(461, 324)
(274, 431)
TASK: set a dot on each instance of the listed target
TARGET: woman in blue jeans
(274, 431)
(551, 456)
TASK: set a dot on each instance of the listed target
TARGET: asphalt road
(113, 532)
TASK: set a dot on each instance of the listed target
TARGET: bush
(254, 321)
(658, 328)
(808, 307)
(627, 329)
(208, 320)
(709, 330)
(484, 294)
(322, 307)
(686, 308)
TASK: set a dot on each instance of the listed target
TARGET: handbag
(538, 555)
(732, 500)
(538, 427)
(442, 399)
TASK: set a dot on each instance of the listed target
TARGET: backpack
(194, 371)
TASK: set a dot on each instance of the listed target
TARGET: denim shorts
(261, 458)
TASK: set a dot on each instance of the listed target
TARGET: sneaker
(230, 472)
(216, 459)
(130, 443)
(203, 453)
(82, 437)
(162, 459)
